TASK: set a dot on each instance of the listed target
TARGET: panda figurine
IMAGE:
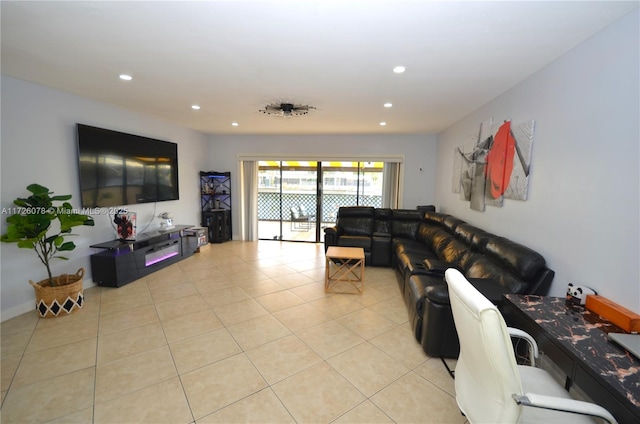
(578, 294)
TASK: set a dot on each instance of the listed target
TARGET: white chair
(490, 386)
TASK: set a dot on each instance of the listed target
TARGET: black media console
(122, 262)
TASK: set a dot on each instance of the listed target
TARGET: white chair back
(486, 374)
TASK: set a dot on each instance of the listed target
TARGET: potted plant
(37, 223)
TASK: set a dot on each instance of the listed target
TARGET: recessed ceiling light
(195, 107)
(126, 77)
(399, 69)
(235, 124)
(382, 124)
(388, 105)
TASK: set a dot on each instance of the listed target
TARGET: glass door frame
(339, 188)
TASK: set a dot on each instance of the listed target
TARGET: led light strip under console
(161, 253)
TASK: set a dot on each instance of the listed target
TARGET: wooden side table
(344, 265)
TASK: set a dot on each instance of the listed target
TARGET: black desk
(575, 339)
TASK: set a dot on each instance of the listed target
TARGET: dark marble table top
(584, 334)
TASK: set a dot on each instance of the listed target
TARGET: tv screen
(118, 169)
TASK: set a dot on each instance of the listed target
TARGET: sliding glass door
(293, 206)
(350, 184)
(287, 200)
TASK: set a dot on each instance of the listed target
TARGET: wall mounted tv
(118, 169)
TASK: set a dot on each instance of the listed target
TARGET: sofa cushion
(490, 288)
(435, 217)
(451, 223)
(382, 220)
(405, 223)
(402, 245)
(356, 220)
(426, 230)
(453, 250)
(409, 261)
(439, 241)
(356, 226)
(519, 259)
(485, 268)
(355, 241)
(468, 259)
(473, 236)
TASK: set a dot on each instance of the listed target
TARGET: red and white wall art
(494, 164)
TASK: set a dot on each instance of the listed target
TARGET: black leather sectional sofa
(420, 245)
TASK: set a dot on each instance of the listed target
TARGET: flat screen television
(118, 169)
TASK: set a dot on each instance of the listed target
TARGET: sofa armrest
(491, 289)
(331, 235)
(381, 249)
(438, 267)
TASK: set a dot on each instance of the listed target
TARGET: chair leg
(452, 373)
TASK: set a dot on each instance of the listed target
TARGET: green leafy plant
(31, 224)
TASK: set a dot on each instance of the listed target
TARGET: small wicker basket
(65, 298)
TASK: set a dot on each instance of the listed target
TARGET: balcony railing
(269, 204)
(269, 213)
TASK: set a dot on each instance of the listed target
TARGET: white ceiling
(234, 57)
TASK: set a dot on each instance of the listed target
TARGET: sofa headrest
(426, 208)
(355, 211)
(382, 214)
(405, 228)
(473, 236)
(436, 217)
(355, 226)
(382, 217)
(520, 260)
(485, 268)
(407, 215)
(451, 222)
(356, 220)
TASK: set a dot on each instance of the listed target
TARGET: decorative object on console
(286, 110)
(578, 294)
(167, 222)
(126, 224)
(494, 166)
(28, 227)
(628, 320)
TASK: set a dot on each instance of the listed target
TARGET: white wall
(419, 153)
(39, 146)
(583, 209)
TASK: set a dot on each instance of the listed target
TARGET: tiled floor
(241, 332)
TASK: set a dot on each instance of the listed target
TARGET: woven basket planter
(65, 298)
